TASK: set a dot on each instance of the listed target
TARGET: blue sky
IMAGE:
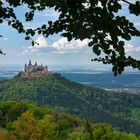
(54, 50)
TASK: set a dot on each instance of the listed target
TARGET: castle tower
(41, 65)
(30, 63)
(46, 69)
(35, 64)
(25, 68)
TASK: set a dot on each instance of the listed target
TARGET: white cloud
(60, 46)
(63, 45)
(129, 48)
(30, 51)
(41, 43)
(25, 51)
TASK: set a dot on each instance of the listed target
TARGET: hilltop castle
(34, 70)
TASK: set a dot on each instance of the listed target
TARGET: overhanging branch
(127, 2)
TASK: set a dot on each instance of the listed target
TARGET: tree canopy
(97, 20)
(43, 123)
(122, 110)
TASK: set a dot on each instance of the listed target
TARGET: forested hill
(26, 121)
(95, 105)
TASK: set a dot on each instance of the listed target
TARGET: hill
(93, 104)
(26, 121)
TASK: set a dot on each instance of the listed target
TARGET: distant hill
(93, 104)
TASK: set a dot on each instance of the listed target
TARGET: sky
(55, 50)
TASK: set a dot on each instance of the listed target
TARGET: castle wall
(34, 70)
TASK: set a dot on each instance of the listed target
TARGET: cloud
(129, 48)
(60, 46)
(64, 46)
(42, 43)
(31, 51)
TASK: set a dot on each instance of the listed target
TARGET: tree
(97, 20)
(25, 128)
(49, 127)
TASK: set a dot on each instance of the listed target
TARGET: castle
(34, 70)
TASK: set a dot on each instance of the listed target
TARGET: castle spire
(35, 63)
(25, 68)
(30, 63)
(41, 66)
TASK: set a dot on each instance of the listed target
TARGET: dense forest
(26, 121)
(95, 105)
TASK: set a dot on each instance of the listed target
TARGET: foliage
(93, 104)
(97, 20)
(27, 127)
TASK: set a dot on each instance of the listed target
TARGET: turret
(25, 68)
(30, 63)
(35, 64)
(46, 69)
(41, 65)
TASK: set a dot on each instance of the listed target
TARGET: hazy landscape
(69, 70)
(87, 75)
(75, 91)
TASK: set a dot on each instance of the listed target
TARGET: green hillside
(95, 105)
(26, 121)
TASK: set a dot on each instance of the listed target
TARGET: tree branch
(127, 2)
